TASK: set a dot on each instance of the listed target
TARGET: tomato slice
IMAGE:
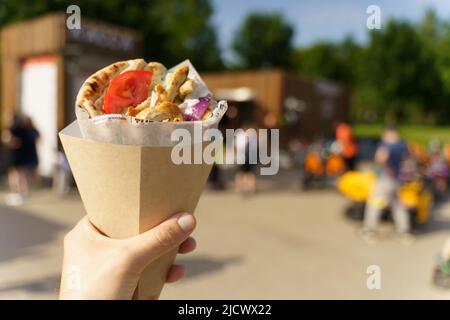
(127, 90)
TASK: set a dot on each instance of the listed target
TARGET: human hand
(98, 267)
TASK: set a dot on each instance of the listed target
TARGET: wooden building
(302, 108)
(43, 64)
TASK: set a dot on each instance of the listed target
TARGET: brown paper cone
(127, 190)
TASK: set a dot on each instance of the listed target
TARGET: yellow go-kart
(357, 186)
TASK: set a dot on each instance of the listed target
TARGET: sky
(316, 20)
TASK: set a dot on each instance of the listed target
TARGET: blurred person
(298, 149)
(21, 140)
(446, 152)
(389, 157)
(62, 176)
(109, 269)
(335, 164)
(313, 164)
(438, 169)
(215, 179)
(348, 146)
(245, 178)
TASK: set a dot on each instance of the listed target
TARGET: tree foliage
(402, 68)
(172, 30)
(330, 60)
(402, 72)
(264, 40)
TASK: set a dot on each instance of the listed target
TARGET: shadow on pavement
(435, 225)
(437, 221)
(197, 266)
(49, 285)
(20, 231)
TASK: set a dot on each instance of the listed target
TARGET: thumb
(163, 238)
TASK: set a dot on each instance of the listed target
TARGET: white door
(39, 101)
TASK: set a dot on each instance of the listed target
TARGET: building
(43, 65)
(302, 108)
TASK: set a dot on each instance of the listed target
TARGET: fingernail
(186, 222)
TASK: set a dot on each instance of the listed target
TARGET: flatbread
(94, 86)
(158, 73)
(92, 92)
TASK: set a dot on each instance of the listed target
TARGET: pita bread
(186, 88)
(136, 64)
(92, 92)
(95, 86)
(158, 73)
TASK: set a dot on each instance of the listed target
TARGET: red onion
(195, 112)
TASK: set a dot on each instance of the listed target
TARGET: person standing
(245, 179)
(348, 145)
(21, 140)
(389, 156)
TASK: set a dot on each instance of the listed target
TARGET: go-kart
(317, 170)
(357, 186)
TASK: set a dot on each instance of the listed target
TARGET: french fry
(207, 114)
(177, 79)
(164, 111)
(150, 114)
(186, 88)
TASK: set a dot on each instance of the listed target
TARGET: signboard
(102, 36)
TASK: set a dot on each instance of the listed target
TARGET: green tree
(402, 68)
(172, 30)
(264, 40)
(430, 28)
(403, 71)
(443, 60)
(191, 33)
(335, 61)
(436, 36)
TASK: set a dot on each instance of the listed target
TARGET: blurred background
(316, 71)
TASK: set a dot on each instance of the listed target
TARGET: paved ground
(277, 244)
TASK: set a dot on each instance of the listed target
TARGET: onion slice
(196, 111)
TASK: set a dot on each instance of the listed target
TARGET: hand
(98, 267)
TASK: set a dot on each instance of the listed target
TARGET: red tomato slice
(127, 90)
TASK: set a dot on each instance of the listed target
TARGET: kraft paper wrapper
(128, 189)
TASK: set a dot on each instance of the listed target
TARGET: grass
(412, 133)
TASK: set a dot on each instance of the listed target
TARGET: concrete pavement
(274, 245)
